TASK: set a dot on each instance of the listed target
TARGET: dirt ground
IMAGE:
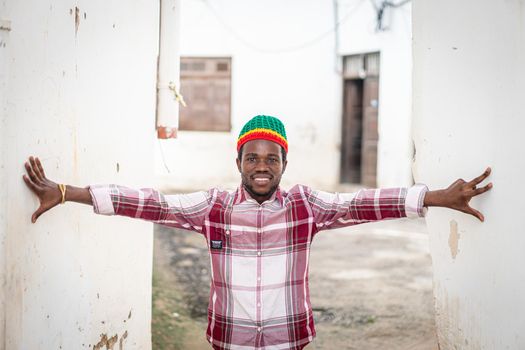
(371, 288)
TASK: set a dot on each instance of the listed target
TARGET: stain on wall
(453, 239)
(109, 343)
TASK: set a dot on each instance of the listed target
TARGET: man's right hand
(46, 190)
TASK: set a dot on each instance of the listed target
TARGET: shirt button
(259, 253)
(227, 232)
(259, 278)
(258, 304)
(259, 230)
(259, 329)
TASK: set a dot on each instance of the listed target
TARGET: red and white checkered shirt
(259, 297)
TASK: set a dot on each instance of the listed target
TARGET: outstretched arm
(344, 209)
(185, 211)
(458, 195)
(48, 191)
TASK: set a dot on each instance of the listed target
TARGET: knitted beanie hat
(263, 127)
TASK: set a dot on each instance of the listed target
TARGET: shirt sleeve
(334, 210)
(186, 211)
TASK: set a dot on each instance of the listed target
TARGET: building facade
(302, 62)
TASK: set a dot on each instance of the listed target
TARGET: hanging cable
(380, 11)
(289, 49)
(162, 157)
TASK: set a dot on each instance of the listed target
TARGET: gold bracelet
(62, 189)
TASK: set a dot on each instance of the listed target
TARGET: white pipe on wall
(168, 70)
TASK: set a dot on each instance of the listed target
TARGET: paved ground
(371, 288)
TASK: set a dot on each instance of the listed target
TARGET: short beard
(252, 192)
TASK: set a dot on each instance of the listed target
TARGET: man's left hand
(458, 195)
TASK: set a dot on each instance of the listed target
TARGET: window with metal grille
(206, 87)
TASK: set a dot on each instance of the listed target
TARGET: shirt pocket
(243, 239)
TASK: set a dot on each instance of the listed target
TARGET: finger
(31, 173)
(37, 214)
(35, 168)
(30, 183)
(481, 190)
(475, 213)
(480, 178)
(40, 168)
(457, 183)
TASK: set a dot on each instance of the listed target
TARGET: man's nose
(261, 165)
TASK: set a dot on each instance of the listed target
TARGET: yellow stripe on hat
(271, 132)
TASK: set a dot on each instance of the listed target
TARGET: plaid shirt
(259, 297)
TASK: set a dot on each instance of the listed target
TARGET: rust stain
(121, 343)
(111, 342)
(101, 343)
(453, 239)
(106, 342)
(166, 132)
(77, 19)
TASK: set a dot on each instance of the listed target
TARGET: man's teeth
(262, 180)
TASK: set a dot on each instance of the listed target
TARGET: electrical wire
(289, 49)
(399, 4)
(380, 11)
(162, 156)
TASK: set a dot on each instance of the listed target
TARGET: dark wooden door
(351, 152)
(370, 134)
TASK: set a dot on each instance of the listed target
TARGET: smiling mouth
(261, 180)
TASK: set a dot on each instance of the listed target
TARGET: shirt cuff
(102, 203)
(414, 201)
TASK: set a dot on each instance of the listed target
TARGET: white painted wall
(82, 97)
(469, 83)
(300, 85)
(3, 168)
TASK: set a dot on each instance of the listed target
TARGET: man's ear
(238, 164)
(285, 163)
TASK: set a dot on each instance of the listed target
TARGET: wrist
(63, 190)
(434, 199)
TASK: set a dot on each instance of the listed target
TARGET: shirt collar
(243, 195)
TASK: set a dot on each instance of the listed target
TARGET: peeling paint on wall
(77, 18)
(121, 343)
(450, 315)
(109, 343)
(453, 239)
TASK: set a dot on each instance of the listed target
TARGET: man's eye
(250, 159)
(272, 160)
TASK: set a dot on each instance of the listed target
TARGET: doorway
(360, 116)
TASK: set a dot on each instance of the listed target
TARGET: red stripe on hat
(261, 135)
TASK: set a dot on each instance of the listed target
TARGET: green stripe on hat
(263, 127)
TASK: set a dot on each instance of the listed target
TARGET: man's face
(261, 168)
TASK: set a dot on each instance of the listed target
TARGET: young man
(258, 236)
